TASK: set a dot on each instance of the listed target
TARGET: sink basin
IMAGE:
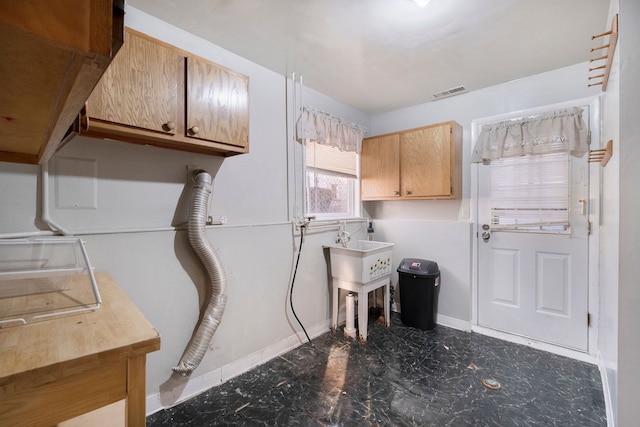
(361, 261)
(363, 245)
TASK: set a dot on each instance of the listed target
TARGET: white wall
(440, 230)
(629, 241)
(18, 207)
(609, 236)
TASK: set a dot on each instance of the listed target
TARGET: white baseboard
(177, 389)
(452, 322)
(550, 348)
(606, 390)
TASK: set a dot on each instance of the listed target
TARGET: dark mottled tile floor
(402, 377)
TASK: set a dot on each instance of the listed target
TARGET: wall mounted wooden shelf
(601, 155)
(608, 58)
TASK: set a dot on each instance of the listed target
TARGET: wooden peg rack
(601, 155)
(611, 47)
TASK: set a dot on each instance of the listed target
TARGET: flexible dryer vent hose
(217, 289)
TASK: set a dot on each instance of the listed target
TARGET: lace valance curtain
(555, 132)
(324, 129)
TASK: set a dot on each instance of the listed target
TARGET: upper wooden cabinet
(154, 93)
(421, 163)
(51, 57)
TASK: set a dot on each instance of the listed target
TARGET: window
(530, 193)
(331, 182)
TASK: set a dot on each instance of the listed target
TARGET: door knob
(486, 234)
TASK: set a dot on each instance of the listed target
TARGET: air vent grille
(449, 92)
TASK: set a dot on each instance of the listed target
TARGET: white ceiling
(381, 55)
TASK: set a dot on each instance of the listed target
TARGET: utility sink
(361, 261)
(361, 266)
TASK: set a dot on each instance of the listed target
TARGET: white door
(533, 280)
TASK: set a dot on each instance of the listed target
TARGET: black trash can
(419, 281)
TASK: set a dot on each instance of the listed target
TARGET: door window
(530, 193)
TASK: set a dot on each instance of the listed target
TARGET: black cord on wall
(293, 280)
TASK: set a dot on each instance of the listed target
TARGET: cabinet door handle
(194, 130)
(396, 193)
(169, 126)
(409, 193)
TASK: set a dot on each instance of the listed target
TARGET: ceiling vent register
(449, 92)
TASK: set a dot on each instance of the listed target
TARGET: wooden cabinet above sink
(51, 56)
(414, 164)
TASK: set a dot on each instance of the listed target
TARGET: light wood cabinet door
(380, 167)
(217, 103)
(425, 159)
(140, 89)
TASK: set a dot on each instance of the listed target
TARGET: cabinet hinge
(588, 319)
(589, 227)
(589, 137)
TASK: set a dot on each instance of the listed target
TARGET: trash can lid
(418, 267)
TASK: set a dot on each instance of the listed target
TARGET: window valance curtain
(556, 132)
(325, 129)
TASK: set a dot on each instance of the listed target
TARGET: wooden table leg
(135, 409)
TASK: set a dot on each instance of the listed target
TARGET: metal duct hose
(217, 290)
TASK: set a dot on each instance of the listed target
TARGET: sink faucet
(343, 235)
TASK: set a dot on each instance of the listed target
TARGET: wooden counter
(57, 369)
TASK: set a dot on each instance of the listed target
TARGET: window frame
(354, 203)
